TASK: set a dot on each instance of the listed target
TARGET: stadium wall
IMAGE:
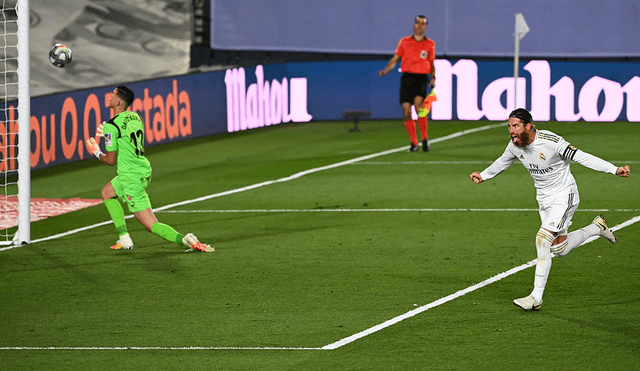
(197, 105)
(558, 29)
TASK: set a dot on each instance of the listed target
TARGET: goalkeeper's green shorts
(131, 190)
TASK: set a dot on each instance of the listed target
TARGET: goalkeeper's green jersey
(125, 133)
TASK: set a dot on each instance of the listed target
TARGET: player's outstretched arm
(476, 177)
(624, 171)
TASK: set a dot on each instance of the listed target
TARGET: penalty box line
(455, 295)
(354, 337)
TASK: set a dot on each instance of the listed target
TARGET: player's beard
(523, 140)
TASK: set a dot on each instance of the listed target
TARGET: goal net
(15, 131)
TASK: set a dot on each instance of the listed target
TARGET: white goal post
(15, 140)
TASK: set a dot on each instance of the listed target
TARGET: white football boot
(528, 303)
(604, 230)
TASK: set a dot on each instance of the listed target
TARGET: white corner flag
(521, 26)
(521, 30)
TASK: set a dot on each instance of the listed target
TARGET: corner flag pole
(521, 30)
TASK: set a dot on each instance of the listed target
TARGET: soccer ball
(60, 55)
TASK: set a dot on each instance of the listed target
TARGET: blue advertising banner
(203, 104)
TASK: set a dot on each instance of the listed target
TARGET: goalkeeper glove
(93, 147)
(100, 130)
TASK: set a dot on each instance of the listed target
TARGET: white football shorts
(556, 214)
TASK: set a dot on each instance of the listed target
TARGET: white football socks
(575, 239)
(543, 265)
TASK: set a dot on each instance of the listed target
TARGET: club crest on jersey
(107, 139)
(423, 54)
(543, 157)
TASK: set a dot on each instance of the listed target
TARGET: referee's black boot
(425, 145)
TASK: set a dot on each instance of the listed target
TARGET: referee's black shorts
(413, 85)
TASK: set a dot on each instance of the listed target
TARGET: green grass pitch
(308, 261)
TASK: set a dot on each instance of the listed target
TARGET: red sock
(411, 129)
(423, 123)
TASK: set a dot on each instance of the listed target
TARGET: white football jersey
(548, 160)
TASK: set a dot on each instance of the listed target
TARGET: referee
(418, 77)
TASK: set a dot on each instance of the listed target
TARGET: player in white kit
(548, 158)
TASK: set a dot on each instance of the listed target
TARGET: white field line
(377, 210)
(353, 337)
(423, 162)
(158, 348)
(423, 308)
(258, 185)
(451, 162)
(455, 295)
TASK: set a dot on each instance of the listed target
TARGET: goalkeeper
(124, 143)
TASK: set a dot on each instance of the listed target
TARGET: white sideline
(354, 337)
